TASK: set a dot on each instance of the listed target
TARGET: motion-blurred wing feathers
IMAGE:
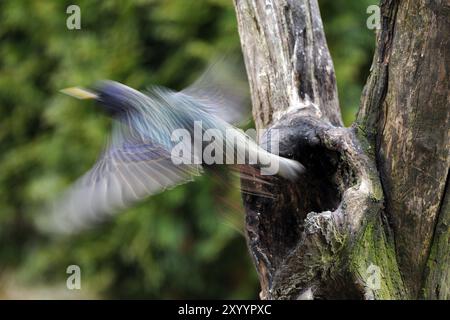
(124, 174)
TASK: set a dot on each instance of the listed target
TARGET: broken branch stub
(316, 237)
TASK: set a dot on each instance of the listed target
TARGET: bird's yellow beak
(79, 93)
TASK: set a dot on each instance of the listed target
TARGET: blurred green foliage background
(178, 244)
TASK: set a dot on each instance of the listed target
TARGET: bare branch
(287, 58)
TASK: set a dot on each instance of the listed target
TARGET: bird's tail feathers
(290, 169)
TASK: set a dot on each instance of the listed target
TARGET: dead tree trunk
(370, 217)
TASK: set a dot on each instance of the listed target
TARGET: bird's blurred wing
(127, 172)
(222, 90)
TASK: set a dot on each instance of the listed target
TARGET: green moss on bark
(373, 254)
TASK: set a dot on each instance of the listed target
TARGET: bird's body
(140, 161)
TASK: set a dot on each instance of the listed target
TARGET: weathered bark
(410, 120)
(373, 194)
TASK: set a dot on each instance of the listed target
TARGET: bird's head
(113, 97)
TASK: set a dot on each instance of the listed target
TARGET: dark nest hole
(275, 225)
